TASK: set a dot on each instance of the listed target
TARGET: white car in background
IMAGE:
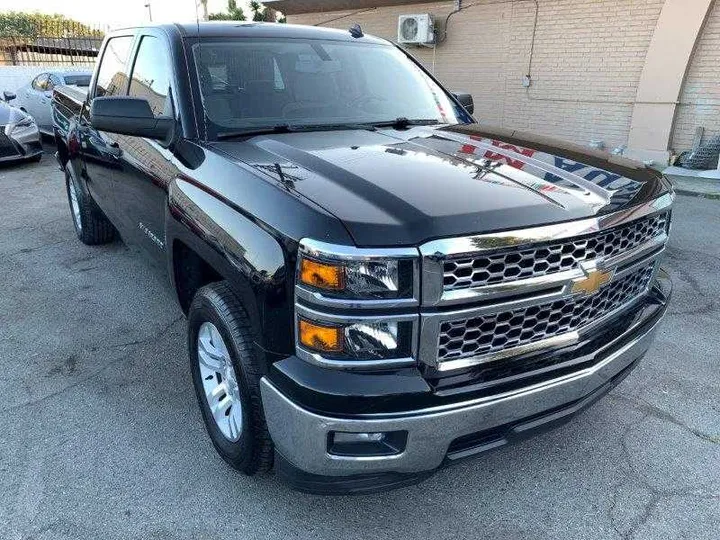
(36, 96)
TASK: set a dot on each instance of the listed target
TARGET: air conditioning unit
(415, 29)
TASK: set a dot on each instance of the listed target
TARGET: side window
(151, 75)
(53, 81)
(40, 81)
(112, 77)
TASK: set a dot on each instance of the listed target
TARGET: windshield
(250, 84)
(77, 80)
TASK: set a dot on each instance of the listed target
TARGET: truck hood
(402, 187)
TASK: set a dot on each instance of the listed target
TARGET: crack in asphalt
(656, 412)
(26, 250)
(679, 256)
(157, 334)
(656, 495)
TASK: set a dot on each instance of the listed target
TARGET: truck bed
(67, 103)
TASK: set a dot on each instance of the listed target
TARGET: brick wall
(700, 98)
(588, 56)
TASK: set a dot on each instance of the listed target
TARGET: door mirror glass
(466, 100)
(129, 116)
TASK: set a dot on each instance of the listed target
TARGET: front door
(146, 168)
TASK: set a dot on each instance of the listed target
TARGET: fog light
(387, 443)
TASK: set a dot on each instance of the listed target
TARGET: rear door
(100, 150)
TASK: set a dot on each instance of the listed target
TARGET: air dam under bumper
(301, 436)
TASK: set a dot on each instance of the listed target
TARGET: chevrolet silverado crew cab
(375, 284)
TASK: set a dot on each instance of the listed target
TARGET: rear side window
(112, 78)
(151, 75)
(78, 80)
(52, 82)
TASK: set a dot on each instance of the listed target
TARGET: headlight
(24, 124)
(357, 274)
(336, 286)
(356, 342)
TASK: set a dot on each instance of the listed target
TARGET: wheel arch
(207, 240)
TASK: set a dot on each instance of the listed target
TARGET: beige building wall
(587, 59)
(700, 97)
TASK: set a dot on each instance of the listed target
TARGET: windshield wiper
(264, 130)
(291, 128)
(402, 122)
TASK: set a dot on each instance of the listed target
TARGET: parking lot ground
(100, 435)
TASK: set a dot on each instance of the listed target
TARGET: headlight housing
(355, 342)
(345, 273)
(19, 125)
(335, 285)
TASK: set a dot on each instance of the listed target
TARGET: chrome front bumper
(301, 436)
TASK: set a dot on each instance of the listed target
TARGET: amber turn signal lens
(321, 275)
(321, 338)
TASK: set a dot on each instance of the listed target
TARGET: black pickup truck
(375, 284)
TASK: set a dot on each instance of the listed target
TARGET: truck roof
(242, 29)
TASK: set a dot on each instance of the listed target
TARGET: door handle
(43, 101)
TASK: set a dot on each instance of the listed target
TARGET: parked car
(36, 96)
(19, 136)
(375, 285)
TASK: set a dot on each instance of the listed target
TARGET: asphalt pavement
(101, 437)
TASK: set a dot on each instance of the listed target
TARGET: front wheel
(226, 373)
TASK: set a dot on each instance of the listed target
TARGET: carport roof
(292, 7)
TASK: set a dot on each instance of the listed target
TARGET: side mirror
(129, 116)
(9, 96)
(466, 100)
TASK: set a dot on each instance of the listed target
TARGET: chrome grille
(539, 260)
(488, 334)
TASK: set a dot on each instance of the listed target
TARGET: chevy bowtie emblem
(593, 280)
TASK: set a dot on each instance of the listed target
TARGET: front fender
(252, 260)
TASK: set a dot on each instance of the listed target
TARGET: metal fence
(50, 43)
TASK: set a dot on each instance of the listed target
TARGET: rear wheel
(91, 225)
(226, 372)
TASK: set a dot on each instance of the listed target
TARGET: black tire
(94, 228)
(217, 304)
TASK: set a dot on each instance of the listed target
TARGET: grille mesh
(6, 146)
(487, 334)
(477, 271)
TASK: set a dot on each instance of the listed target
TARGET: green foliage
(265, 14)
(234, 13)
(33, 25)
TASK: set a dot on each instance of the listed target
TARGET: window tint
(53, 81)
(40, 81)
(263, 82)
(111, 79)
(78, 80)
(151, 75)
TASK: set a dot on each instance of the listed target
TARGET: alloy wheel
(220, 385)
(74, 204)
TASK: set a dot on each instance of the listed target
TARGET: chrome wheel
(219, 381)
(74, 205)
